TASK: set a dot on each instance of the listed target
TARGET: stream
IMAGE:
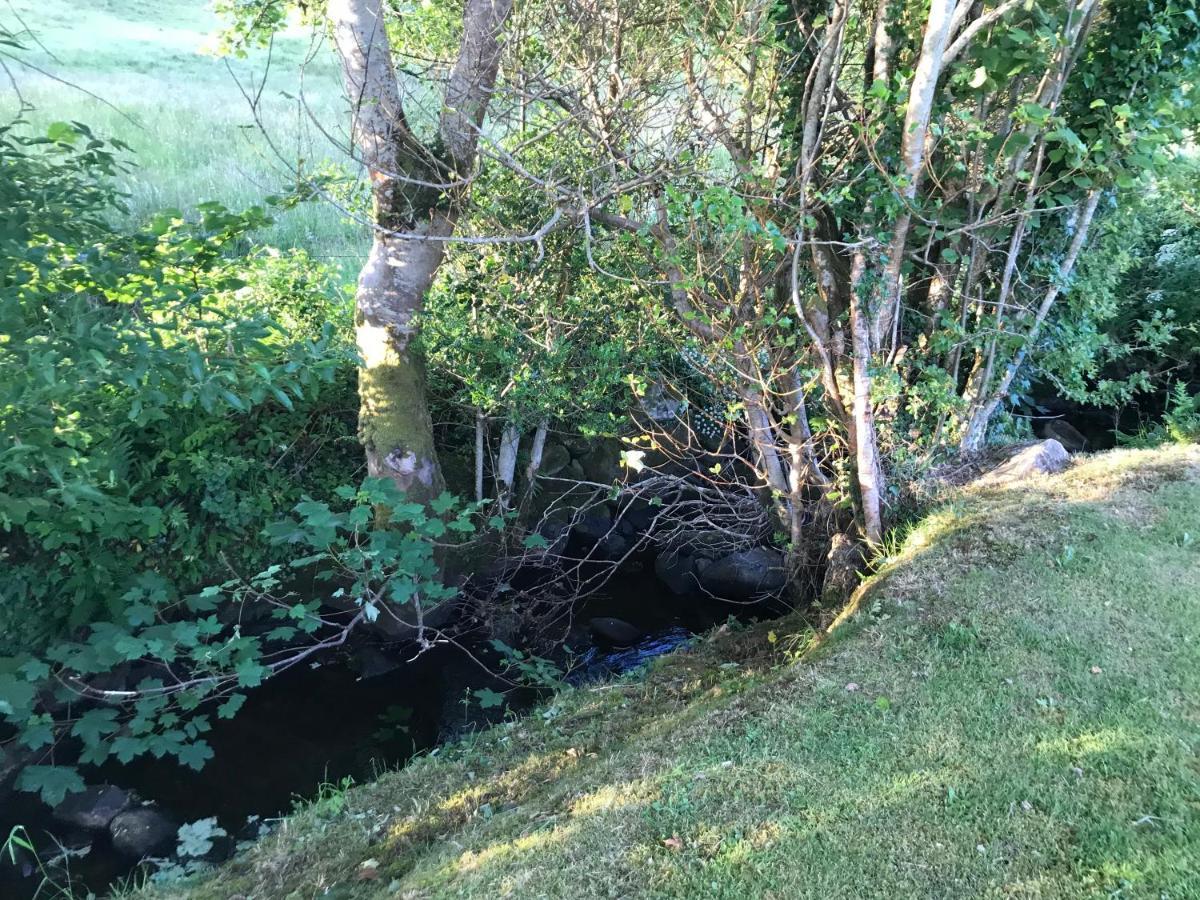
(342, 717)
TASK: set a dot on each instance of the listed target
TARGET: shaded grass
(1008, 710)
(193, 135)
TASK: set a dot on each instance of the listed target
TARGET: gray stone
(93, 809)
(555, 458)
(675, 569)
(143, 831)
(615, 631)
(1044, 458)
(746, 575)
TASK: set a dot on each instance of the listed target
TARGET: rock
(93, 809)
(615, 631)
(555, 534)
(555, 458)
(1066, 434)
(843, 564)
(370, 661)
(602, 462)
(675, 569)
(596, 529)
(746, 575)
(143, 831)
(1044, 458)
(659, 404)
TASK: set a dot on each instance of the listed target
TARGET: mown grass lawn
(1008, 710)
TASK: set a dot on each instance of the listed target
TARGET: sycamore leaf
(53, 783)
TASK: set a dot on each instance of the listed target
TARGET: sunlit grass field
(136, 70)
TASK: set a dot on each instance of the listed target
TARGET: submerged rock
(93, 809)
(143, 831)
(615, 631)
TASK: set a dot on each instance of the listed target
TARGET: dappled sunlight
(503, 851)
(612, 797)
(1090, 743)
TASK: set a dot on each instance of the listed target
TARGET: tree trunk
(506, 463)
(416, 192)
(866, 452)
(394, 422)
(980, 413)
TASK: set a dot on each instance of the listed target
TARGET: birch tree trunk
(506, 463)
(417, 192)
(981, 411)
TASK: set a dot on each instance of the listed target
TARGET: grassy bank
(1009, 709)
(135, 70)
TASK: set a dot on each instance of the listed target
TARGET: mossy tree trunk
(418, 190)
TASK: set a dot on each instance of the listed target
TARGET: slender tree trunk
(980, 413)
(866, 452)
(912, 155)
(480, 440)
(506, 463)
(536, 451)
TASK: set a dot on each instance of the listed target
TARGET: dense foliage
(156, 413)
(831, 243)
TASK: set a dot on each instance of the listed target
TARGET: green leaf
(488, 699)
(62, 133)
(250, 674)
(978, 77)
(95, 724)
(195, 755)
(53, 783)
(230, 707)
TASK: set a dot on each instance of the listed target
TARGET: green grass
(193, 135)
(1008, 710)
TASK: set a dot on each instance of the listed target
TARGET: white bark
(981, 413)
(912, 156)
(506, 463)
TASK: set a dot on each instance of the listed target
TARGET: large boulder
(93, 809)
(752, 574)
(142, 832)
(1044, 458)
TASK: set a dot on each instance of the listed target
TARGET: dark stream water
(336, 720)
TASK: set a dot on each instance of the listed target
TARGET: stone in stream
(143, 831)
(615, 631)
(597, 529)
(746, 575)
(94, 808)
